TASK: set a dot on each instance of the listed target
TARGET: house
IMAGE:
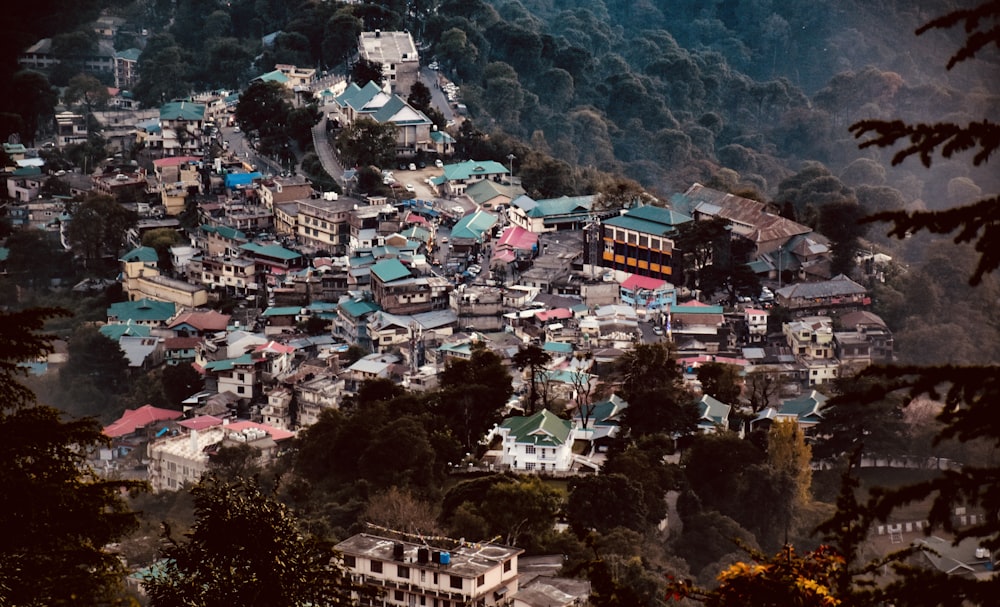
(39, 56)
(199, 323)
(396, 53)
(325, 224)
(70, 129)
(124, 183)
(134, 421)
(141, 279)
(397, 291)
(177, 177)
(182, 124)
(459, 176)
(541, 442)
(180, 350)
(552, 214)
(127, 68)
(549, 591)
(869, 328)
(183, 459)
(143, 312)
(233, 275)
(24, 183)
(142, 353)
(351, 324)
(413, 127)
(471, 231)
(278, 410)
(838, 293)
(698, 327)
(966, 559)
(810, 337)
(279, 319)
(599, 422)
(435, 571)
(279, 190)
(315, 395)
(747, 218)
(240, 376)
(488, 194)
(805, 410)
(647, 293)
(640, 241)
(713, 415)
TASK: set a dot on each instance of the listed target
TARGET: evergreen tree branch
(982, 136)
(973, 18)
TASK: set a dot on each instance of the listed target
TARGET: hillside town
(288, 293)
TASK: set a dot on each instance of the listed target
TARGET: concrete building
(413, 574)
(398, 55)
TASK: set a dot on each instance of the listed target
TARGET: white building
(537, 443)
(398, 55)
(412, 574)
(181, 459)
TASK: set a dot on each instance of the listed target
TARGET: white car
(410, 188)
(413, 167)
(439, 164)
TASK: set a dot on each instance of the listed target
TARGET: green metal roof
(389, 270)
(224, 232)
(116, 331)
(541, 429)
(474, 225)
(275, 76)
(358, 308)
(282, 311)
(472, 168)
(682, 309)
(564, 205)
(142, 310)
(229, 363)
(4, 253)
(182, 110)
(713, 410)
(271, 250)
(558, 347)
(143, 254)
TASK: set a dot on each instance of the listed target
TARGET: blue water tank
(445, 558)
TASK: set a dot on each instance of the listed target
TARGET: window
(403, 572)
(456, 582)
(529, 466)
(507, 566)
(376, 566)
(241, 390)
(398, 595)
(530, 449)
(480, 580)
(350, 561)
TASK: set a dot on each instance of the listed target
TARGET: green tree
(534, 359)
(57, 512)
(367, 143)
(97, 225)
(653, 386)
(34, 99)
(721, 381)
(603, 502)
(161, 239)
(365, 71)
(473, 392)
(87, 91)
(96, 371)
(699, 243)
(180, 382)
(246, 548)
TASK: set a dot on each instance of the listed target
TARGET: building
(182, 124)
(70, 129)
(177, 177)
(127, 68)
(397, 291)
(409, 573)
(838, 293)
(141, 312)
(183, 459)
(537, 443)
(39, 56)
(325, 224)
(398, 55)
(459, 176)
(639, 241)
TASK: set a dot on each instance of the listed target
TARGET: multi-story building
(127, 68)
(838, 293)
(639, 242)
(325, 224)
(230, 274)
(182, 124)
(398, 55)
(178, 460)
(315, 395)
(409, 574)
(537, 443)
(70, 129)
(396, 291)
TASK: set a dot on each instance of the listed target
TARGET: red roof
(635, 281)
(556, 314)
(504, 255)
(273, 346)
(201, 422)
(174, 161)
(133, 419)
(518, 238)
(181, 343)
(412, 217)
(203, 321)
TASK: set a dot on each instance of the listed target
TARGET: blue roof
(558, 347)
(234, 180)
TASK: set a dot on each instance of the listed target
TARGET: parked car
(413, 167)
(439, 164)
(410, 188)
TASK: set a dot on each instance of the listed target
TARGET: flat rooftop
(468, 560)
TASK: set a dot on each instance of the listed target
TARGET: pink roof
(203, 321)
(504, 255)
(201, 422)
(755, 311)
(133, 419)
(174, 161)
(706, 358)
(276, 433)
(412, 217)
(518, 238)
(635, 281)
(273, 346)
(556, 314)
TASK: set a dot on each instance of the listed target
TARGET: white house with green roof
(713, 415)
(459, 176)
(542, 442)
(182, 126)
